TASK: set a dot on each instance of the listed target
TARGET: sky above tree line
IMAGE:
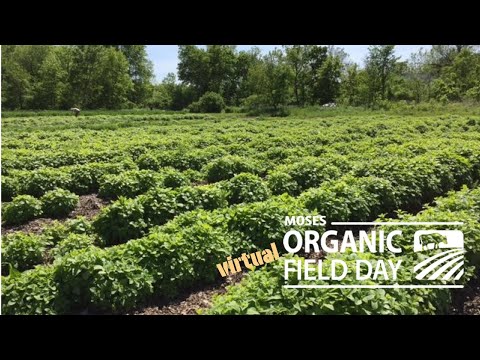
(165, 57)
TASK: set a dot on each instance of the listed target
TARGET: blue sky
(165, 58)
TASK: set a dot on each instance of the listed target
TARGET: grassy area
(294, 111)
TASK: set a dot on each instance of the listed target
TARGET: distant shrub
(256, 105)
(58, 203)
(23, 208)
(280, 112)
(210, 102)
(233, 109)
(253, 104)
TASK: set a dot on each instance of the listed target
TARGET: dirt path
(88, 206)
(190, 301)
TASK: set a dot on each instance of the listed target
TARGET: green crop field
(179, 193)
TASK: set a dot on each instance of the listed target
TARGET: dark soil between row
(88, 206)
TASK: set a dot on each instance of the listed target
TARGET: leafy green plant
(23, 208)
(73, 275)
(148, 161)
(227, 167)
(70, 243)
(255, 226)
(262, 292)
(119, 285)
(281, 183)
(246, 188)
(310, 173)
(31, 293)
(209, 102)
(159, 205)
(120, 222)
(340, 201)
(211, 197)
(58, 203)
(174, 179)
(38, 182)
(24, 251)
(83, 180)
(128, 184)
(56, 231)
(9, 188)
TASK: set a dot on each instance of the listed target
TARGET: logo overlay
(446, 265)
(408, 256)
(434, 259)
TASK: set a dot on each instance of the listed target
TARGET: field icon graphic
(447, 264)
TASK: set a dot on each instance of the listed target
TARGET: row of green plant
(404, 185)
(109, 180)
(121, 179)
(54, 204)
(186, 144)
(169, 260)
(22, 251)
(123, 220)
(262, 291)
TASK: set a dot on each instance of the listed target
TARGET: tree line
(121, 76)
(87, 76)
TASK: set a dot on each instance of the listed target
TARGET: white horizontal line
(398, 223)
(373, 286)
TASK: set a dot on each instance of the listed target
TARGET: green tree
(193, 68)
(418, 76)
(221, 64)
(315, 56)
(97, 77)
(16, 88)
(211, 69)
(380, 64)
(350, 86)
(270, 80)
(329, 79)
(113, 80)
(140, 69)
(460, 79)
(296, 58)
(245, 61)
(50, 84)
